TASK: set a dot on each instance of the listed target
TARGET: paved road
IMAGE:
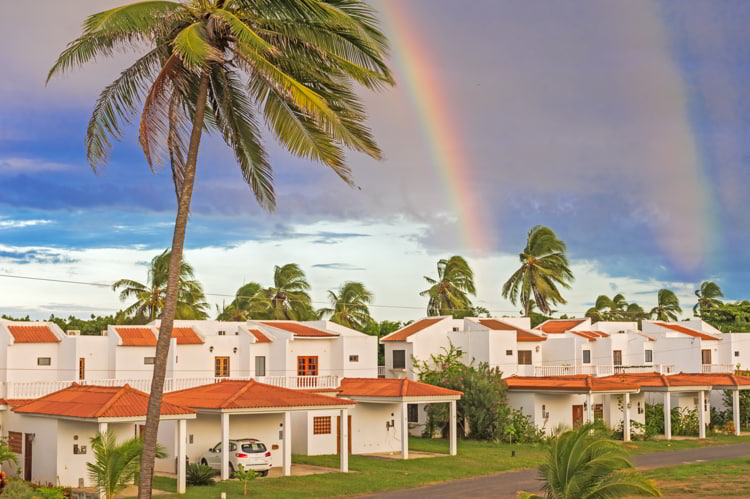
(505, 485)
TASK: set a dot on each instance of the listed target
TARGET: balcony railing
(595, 370)
(381, 371)
(717, 368)
(35, 389)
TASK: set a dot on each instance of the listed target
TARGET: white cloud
(18, 165)
(5, 223)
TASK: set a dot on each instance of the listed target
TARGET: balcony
(35, 389)
(381, 371)
(717, 368)
(594, 370)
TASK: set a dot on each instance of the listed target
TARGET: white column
(102, 428)
(452, 427)
(736, 411)
(404, 432)
(344, 454)
(589, 408)
(225, 445)
(181, 454)
(287, 444)
(701, 414)
(626, 418)
(667, 417)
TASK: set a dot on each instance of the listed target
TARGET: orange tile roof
(585, 334)
(649, 338)
(573, 383)
(89, 401)
(391, 387)
(231, 394)
(558, 326)
(137, 336)
(681, 379)
(14, 402)
(259, 336)
(685, 330)
(411, 329)
(521, 334)
(33, 334)
(299, 329)
(186, 336)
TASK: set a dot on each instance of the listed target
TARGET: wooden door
(82, 368)
(28, 439)
(221, 367)
(577, 415)
(338, 434)
(307, 366)
(617, 357)
(705, 357)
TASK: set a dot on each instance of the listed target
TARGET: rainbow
(439, 123)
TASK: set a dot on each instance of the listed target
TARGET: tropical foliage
(729, 317)
(150, 297)
(349, 306)
(544, 267)
(615, 309)
(584, 464)
(449, 293)
(245, 476)
(199, 474)
(708, 297)
(239, 309)
(287, 299)
(667, 307)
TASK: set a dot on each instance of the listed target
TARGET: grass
(374, 475)
(727, 478)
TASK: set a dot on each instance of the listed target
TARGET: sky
(622, 125)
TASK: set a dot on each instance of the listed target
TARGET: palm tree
(287, 299)
(708, 297)
(239, 309)
(668, 306)
(450, 292)
(583, 464)
(544, 266)
(150, 297)
(115, 465)
(216, 64)
(635, 312)
(350, 306)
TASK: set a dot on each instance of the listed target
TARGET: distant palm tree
(287, 299)
(350, 306)
(668, 306)
(150, 297)
(450, 292)
(708, 297)
(583, 464)
(635, 312)
(544, 266)
(239, 309)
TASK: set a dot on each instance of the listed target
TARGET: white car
(249, 452)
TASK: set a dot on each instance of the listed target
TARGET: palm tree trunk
(170, 303)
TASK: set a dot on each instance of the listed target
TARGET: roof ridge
(237, 394)
(404, 387)
(112, 400)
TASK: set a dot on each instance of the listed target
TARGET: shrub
(18, 489)
(520, 429)
(49, 493)
(199, 474)
(684, 421)
(654, 419)
(245, 476)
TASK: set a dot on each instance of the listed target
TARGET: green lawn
(373, 475)
(728, 478)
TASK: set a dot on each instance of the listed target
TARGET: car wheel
(204, 462)
(231, 469)
(264, 473)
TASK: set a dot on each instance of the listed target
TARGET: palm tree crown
(350, 306)
(544, 267)
(288, 298)
(239, 309)
(708, 297)
(668, 306)
(450, 292)
(149, 297)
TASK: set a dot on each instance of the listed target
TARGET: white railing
(381, 371)
(717, 368)
(36, 389)
(594, 370)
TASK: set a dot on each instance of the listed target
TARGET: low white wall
(369, 433)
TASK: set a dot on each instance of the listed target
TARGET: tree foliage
(667, 307)
(350, 306)
(708, 297)
(449, 293)
(287, 299)
(616, 308)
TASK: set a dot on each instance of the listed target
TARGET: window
(649, 355)
(617, 357)
(509, 353)
(399, 359)
(307, 366)
(260, 365)
(412, 413)
(222, 333)
(736, 353)
(44, 361)
(705, 357)
(587, 356)
(524, 357)
(253, 447)
(15, 441)
(221, 367)
(322, 425)
(598, 412)
(354, 358)
(82, 368)
(149, 361)
(455, 329)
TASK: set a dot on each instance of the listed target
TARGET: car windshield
(253, 447)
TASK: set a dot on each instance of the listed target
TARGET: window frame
(648, 356)
(412, 413)
(322, 425)
(221, 366)
(47, 363)
(586, 357)
(402, 362)
(354, 358)
(149, 361)
(307, 365)
(522, 354)
(260, 372)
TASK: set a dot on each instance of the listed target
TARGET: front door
(577, 415)
(338, 434)
(705, 357)
(221, 367)
(617, 357)
(28, 439)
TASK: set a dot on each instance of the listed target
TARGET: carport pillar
(224, 445)
(452, 429)
(736, 411)
(181, 454)
(404, 432)
(701, 414)
(589, 408)
(287, 444)
(102, 428)
(667, 416)
(626, 418)
(344, 444)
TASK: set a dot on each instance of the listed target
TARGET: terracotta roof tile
(521, 334)
(391, 387)
(298, 329)
(685, 330)
(137, 336)
(558, 326)
(90, 401)
(259, 336)
(186, 336)
(230, 394)
(573, 383)
(411, 329)
(33, 334)
(585, 334)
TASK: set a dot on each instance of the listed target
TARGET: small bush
(684, 421)
(199, 474)
(18, 489)
(49, 493)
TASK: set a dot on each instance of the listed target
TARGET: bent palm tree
(239, 309)
(582, 464)
(544, 266)
(450, 292)
(287, 299)
(214, 65)
(149, 297)
(708, 297)
(350, 306)
(668, 306)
